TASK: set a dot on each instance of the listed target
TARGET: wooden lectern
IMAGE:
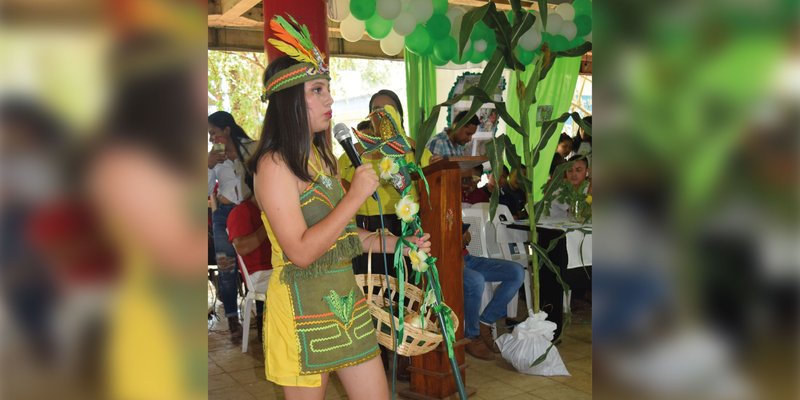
(431, 375)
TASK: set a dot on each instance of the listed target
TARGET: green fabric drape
(420, 89)
(557, 90)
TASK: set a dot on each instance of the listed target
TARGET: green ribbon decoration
(401, 285)
(448, 329)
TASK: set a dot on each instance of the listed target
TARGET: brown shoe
(487, 338)
(477, 349)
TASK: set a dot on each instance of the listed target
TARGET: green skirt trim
(344, 249)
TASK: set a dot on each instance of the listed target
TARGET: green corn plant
(500, 149)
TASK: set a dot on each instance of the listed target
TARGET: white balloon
(338, 10)
(388, 9)
(530, 40)
(352, 29)
(569, 30)
(455, 27)
(566, 11)
(422, 10)
(554, 22)
(393, 43)
(405, 4)
(455, 13)
(404, 24)
(480, 46)
(538, 23)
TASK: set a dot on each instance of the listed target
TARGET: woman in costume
(316, 318)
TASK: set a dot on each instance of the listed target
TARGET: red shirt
(479, 195)
(243, 220)
(67, 235)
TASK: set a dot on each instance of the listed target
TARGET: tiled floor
(233, 375)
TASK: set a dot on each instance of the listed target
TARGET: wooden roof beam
(232, 15)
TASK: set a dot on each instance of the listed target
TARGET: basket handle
(368, 240)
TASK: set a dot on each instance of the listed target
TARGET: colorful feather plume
(294, 39)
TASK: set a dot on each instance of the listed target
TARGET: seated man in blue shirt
(477, 271)
(451, 142)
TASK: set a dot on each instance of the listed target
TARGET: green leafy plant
(508, 32)
(578, 200)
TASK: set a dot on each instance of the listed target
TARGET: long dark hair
(224, 119)
(285, 129)
(152, 107)
(395, 99)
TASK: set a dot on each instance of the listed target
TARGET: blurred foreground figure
(57, 271)
(29, 179)
(143, 178)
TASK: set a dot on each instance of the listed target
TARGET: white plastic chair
(484, 244)
(249, 301)
(512, 245)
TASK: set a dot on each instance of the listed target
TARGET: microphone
(342, 134)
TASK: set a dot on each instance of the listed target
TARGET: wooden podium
(431, 375)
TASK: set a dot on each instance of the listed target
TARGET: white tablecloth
(579, 244)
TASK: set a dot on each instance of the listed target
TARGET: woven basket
(379, 294)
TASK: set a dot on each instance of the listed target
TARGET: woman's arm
(278, 194)
(374, 242)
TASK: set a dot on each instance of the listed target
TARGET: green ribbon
(412, 167)
(448, 328)
(401, 287)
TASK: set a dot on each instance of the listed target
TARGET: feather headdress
(294, 40)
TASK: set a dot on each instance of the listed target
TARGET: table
(572, 254)
(578, 239)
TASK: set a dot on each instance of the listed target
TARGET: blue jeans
(478, 271)
(228, 286)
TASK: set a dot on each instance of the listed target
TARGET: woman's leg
(306, 393)
(354, 378)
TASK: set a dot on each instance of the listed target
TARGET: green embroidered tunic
(316, 318)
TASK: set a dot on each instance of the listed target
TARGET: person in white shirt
(577, 173)
(226, 168)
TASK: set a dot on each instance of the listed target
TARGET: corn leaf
(468, 22)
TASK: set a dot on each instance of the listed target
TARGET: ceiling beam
(233, 14)
(219, 21)
(229, 39)
(235, 8)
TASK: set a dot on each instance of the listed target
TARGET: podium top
(463, 163)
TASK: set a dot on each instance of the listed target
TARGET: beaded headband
(294, 39)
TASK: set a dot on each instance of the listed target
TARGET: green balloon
(559, 43)
(439, 6)
(584, 25)
(377, 27)
(524, 56)
(464, 57)
(445, 49)
(490, 38)
(480, 31)
(477, 57)
(546, 38)
(362, 9)
(582, 7)
(491, 46)
(438, 26)
(576, 42)
(419, 42)
(436, 60)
